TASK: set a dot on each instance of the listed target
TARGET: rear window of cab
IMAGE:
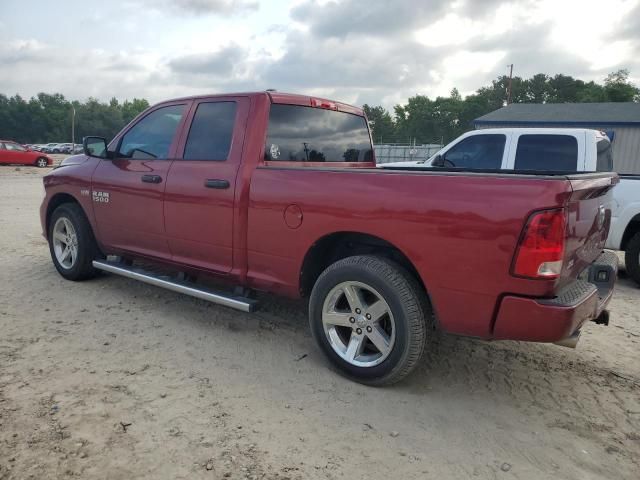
(307, 134)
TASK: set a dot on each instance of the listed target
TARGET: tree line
(440, 120)
(47, 117)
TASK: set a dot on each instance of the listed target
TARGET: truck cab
(535, 149)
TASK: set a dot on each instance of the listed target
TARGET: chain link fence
(404, 152)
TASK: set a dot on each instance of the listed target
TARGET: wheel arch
(631, 229)
(57, 200)
(338, 245)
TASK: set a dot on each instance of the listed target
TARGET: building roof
(610, 113)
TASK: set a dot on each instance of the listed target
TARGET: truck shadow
(566, 385)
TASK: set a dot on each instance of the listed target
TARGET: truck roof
(282, 98)
(536, 130)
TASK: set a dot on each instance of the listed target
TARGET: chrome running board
(239, 303)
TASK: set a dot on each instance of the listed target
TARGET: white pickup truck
(550, 149)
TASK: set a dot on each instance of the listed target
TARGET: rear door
(201, 186)
(128, 190)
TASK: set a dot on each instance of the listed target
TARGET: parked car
(14, 153)
(65, 147)
(557, 149)
(51, 148)
(77, 148)
(277, 192)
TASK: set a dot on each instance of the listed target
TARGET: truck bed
(460, 228)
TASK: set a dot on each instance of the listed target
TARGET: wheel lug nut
(358, 311)
(368, 315)
(369, 329)
(358, 331)
(352, 320)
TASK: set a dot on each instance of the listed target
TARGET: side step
(239, 303)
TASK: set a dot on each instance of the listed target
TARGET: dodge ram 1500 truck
(275, 192)
(544, 149)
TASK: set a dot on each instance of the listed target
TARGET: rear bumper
(555, 319)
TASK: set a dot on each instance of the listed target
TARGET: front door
(200, 192)
(128, 190)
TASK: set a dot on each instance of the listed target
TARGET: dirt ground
(113, 379)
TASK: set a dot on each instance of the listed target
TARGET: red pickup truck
(276, 192)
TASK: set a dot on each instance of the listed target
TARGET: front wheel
(368, 316)
(632, 258)
(71, 243)
(41, 162)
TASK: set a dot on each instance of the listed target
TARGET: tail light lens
(318, 103)
(541, 248)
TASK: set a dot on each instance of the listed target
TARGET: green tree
(618, 88)
(382, 125)
(47, 117)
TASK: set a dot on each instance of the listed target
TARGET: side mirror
(95, 147)
(438, 161)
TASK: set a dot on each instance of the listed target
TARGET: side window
(152, 136)
(2, 146)
(211, 132)
(604, 150)
(556, 153)
(477, 152)
(15, 147)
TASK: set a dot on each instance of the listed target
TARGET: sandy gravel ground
(112, 379)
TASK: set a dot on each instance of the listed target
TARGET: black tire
(632, 258)
(88, 250)
(407, 303)
(42, 162)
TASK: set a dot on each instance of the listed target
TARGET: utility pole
(73, 127)
(510, 83)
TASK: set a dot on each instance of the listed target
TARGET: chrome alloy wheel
(42, 162)
(358, 324)
(65, 242)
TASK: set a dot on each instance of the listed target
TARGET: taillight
(541, 248)
(318, 103)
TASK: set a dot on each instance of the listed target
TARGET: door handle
(216, 183)
(151, 178)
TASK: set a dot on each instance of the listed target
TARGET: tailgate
(589, 218)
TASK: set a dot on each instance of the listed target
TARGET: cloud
(377, 52)
(220, 63)
(22, 51)
(203, 7)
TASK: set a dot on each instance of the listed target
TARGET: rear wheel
(41, 162)
(71, 243)
(368, 316)
(632, 258)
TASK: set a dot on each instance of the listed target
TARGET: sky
(379, 52)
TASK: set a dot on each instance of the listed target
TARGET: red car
(12, 153)
(279, 193)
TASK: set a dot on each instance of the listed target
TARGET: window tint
(558, 153)
(151, 137)
(605, 155)
(477, 152)
(211, 131)
(306, 134)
